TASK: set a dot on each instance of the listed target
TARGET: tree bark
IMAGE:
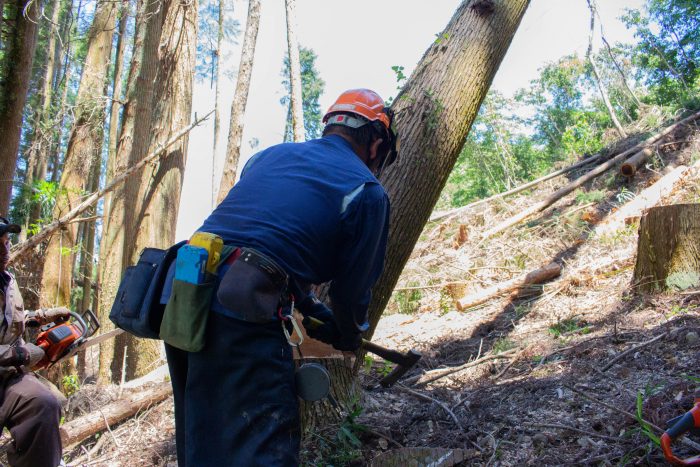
(156, 206)
(434, 113)
(538, 276)
(15, 69)
(133, 143)
(83, 151)
(295, 104)
(217, 98)
(240, 99)
(94, 422)
(668, 249)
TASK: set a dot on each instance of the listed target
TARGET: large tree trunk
(133, 144)
(434, 113)
(15, 69)
(240, 99)
(84, 150)
(158, 200)
(295, 104)
(668, 250)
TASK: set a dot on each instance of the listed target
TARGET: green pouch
(185, 318)
(186, 314)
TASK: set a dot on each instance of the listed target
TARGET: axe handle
(387, 354)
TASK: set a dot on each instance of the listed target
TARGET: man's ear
(374, 148)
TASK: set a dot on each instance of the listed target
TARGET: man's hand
(48, 315)
(328, 331)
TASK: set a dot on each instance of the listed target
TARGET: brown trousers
(32, 414)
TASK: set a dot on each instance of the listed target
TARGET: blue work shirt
(319, 212)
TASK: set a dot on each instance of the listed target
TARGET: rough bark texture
(16, 70)
(630, 166)
(240, 98)
(115, 105)
(668, 250)
(435, 111)
(83, 151)
(294, 74)
(133, 143)
(156, 206)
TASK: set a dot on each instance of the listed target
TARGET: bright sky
(357, 43)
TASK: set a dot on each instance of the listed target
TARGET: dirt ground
(561, 376)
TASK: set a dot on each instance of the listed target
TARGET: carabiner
(295, 325)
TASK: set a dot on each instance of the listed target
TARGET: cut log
(81, 428)
(668, 249)
(602, 168)
(649, 197)
(537, 276)
(630, 166)
(422, 456)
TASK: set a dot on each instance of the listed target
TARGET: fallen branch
(649, 197)
(632, 349)
(49, 229)
(598, 170)
(686, 441)
(83, 427)
(537, 276)
(453, 212)
(431, 399)
(434, 375)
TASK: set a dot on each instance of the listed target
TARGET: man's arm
(365, 230)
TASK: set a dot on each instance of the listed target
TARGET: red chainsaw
(688, 422)
(60, 340)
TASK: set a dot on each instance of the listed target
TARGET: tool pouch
(185, 319)
(137, 308)
(253, 287)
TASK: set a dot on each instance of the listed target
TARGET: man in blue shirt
(317, 211)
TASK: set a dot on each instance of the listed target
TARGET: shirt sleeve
(365, 226)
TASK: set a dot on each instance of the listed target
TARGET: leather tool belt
(254, 287)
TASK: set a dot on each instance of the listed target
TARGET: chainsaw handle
(685, 423)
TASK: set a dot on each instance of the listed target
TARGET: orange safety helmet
(367, 104)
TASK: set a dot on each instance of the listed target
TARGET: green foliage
(585, 197)
(208, 58)
(312, 87)
(568, 326)
(70, 384)
(501, 345)
(343, 448)
(407, 301)
(647, 430)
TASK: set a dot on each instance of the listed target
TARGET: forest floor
(557, 377)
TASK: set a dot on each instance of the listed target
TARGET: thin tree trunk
(217, 98)
(596, 76)
(15, 69)
(116, 104)
(84, 150)
(619, 69)
(434, 113)
(294, 74)
(159, 191)
(240, 99)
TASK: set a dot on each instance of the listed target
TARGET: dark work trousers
(235, 402)
(32, 414)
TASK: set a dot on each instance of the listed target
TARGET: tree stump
(668, 250)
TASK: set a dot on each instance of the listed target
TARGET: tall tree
(159, 189)
(83, 151)
(15, 73)
(133, 144)
(434, 113)
(217, 97)
(311, 90)
(115, 104)
(294, 74)
(240, 99)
